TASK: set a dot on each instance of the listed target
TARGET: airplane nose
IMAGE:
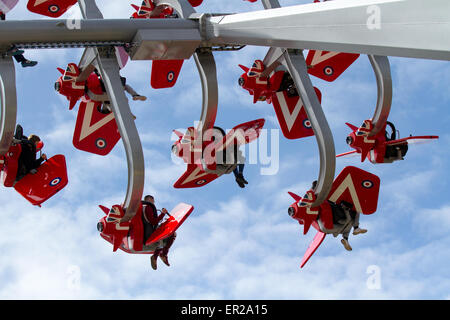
(100, 227)
(241, 81)
(291, 211)
(57, 86)
(349, 140)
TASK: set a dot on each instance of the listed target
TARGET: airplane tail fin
(293, 195)
(178, 133)
(244, 68)
(104, 209)
(354, 128)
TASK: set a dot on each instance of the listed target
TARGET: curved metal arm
(89, 9)
(208, 75)
(109, 70)
(8, 103)
(382, 69)
(297, 67)
(206, 65)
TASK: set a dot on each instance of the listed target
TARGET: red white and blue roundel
(53, 8)
(200, 182)
(328, 70)
(170, 76)
(100, 143)
(307, 123)
(367, 184)
(55, 182)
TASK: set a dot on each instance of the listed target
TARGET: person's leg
(345, 242)
(154, 257)
(17, 54)
(166, 249)
(356, 228)
(133, 93)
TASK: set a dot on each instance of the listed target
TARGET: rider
(27, 160)
(354, 217)
(18, 54)
(151, 219)
(394, 151)
(344, 218)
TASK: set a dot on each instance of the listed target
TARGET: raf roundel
(307, 124)
(170, 76)
(100, 143)
(200, 182)
(367, 184)
(55, 182)
(328, 71)
(53, 8)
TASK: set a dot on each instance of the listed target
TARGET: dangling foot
(358, 230)
(165, 260)
(346, 245)
(153, 261)
(28, 63)
(138, 97)
(240, 181)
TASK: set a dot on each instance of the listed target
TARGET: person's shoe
(359, 231)
(346, 245)
(141, 98)
(153, 262)
(165, 260)
(28, 63)
(240, 182)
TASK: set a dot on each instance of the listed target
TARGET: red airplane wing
(328, 65)
(7, 5)
(10, 165)
(415, 139)
(317, 241)
(242, 134)
(165, 73)
(50, 8)
(357, 187)
(95, 132)
(50, 178)
(291, 114)
(194, 177)
(176, 218)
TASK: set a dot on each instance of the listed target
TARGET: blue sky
(238, 243)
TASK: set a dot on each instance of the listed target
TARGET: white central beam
(407, 28)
